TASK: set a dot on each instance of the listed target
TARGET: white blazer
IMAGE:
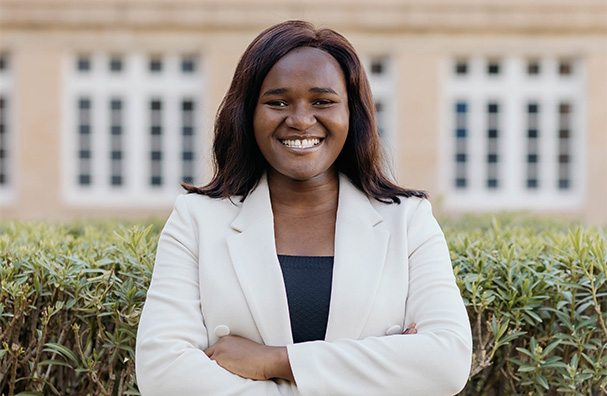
(217, 273)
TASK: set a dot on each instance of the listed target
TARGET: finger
(411, 329)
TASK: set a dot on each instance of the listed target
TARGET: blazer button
(222, 330)
(396, 329)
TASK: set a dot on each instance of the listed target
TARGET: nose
(300, 118)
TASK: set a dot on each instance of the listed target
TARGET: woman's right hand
(411, 329)
(250, 359)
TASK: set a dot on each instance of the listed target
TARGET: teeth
(300, 143)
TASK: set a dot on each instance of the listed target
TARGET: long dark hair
(238, 161)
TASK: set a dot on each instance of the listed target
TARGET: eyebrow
(279, 91)
(275, 91)
(323, 90)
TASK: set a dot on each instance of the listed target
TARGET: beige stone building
(106, 105)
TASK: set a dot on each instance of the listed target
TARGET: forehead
(306, 64)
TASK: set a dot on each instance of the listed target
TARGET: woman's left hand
(249, 359)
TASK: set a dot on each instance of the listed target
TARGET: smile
(300, 143)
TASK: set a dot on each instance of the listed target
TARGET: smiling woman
(301, 118)
(301, 269)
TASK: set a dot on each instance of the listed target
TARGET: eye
(323, 102)
(276, 103)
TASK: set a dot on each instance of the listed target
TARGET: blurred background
(107, 105)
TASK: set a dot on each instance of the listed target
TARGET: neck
(317, 195)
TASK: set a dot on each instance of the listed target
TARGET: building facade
(107, 105)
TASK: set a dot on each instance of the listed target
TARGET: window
(565, 67)
(84, 142)
(156, 142)
(514, 142)
(533, 128)
(188, 64)
(83, 63)
(131, 127)
(4, 152)
(379, 111)
(188, 132)
(378, 66)
(4, 62)
(492, 145)
(116, 143)
(493, 67)
(461, 67)
(6, 133)
(461, 136)
(155, 64)
(564, 145)
(382, 85)
(379, 106)
(533, 67)
(115, 65)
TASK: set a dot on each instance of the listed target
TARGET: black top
(308, 285)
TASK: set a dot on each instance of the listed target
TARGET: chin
(309, 176)
(301, 177)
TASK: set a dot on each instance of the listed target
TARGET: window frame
(134, 86)
(513, 89)
(9, 163)
(382, 88)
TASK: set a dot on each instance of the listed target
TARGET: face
(301, 118)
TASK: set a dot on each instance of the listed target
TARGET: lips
(301, 143)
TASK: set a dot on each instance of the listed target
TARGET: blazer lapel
(253, 254)
(360, 253)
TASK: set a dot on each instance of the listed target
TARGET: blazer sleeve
(435, 361)
(172, 337)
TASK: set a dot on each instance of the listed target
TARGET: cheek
(345, 131)
(263, 124)
(341, 123)
(256, 121)
(259, 128)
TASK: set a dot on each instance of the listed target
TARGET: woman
(298, 267)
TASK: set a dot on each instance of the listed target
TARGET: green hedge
(71, 296)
